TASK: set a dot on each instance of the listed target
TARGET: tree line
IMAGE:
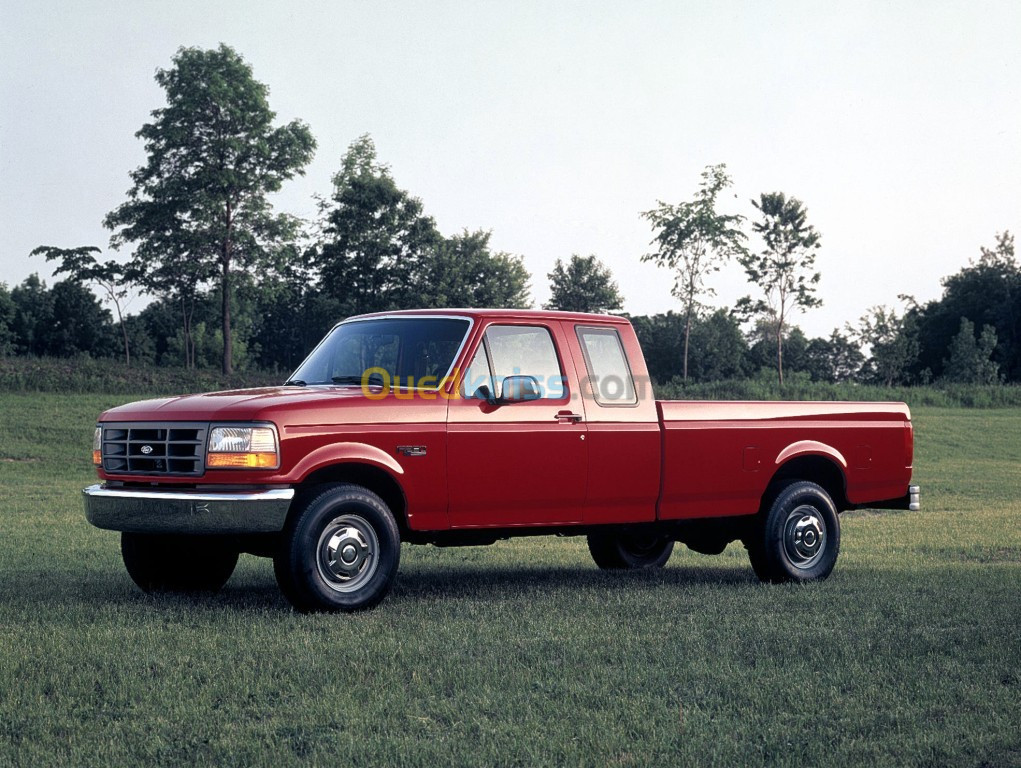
(235, 284)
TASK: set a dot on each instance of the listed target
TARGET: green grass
(523, 653)
(75, 375)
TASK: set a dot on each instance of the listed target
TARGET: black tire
(799, 538)
(340, 550)
(174, 563)
(629, 550)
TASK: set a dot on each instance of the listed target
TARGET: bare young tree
(695, 240)
(783, 269)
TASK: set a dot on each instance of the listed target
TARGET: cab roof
(509, 314)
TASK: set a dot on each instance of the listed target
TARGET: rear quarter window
(609, 375)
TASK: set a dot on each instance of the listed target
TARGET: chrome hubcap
(347, 553)
(804, 536)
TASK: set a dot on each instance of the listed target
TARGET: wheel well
(816, 469)
(375, 479)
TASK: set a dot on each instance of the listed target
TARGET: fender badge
(411, 450)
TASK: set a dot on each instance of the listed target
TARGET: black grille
(144, 448)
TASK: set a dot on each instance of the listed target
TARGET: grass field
(523, 653)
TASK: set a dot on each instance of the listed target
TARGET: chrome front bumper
(163, 511)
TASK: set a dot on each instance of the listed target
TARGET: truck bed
(720, 456)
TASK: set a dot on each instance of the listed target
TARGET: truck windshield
(406, 352)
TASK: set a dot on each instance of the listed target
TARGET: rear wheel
(629, 550)
(799, 539)
(339, 552)
(173, 563)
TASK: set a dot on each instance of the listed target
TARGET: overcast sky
(555, 124)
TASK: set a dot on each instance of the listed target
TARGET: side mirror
(517, 389)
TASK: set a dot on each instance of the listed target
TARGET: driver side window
(515, 350)
(523, 350)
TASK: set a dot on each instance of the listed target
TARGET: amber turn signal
(242, 460)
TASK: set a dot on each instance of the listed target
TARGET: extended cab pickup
(462, 427)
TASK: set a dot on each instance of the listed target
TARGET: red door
(523, 463)
(623, 427)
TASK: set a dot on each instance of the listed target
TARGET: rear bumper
(912, 500)
(162, 511)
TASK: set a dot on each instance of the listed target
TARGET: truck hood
(264, 404)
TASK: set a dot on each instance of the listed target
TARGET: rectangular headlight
(243, 448)
(97, 447)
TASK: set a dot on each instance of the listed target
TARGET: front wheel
(629, 550)
(800, 537)
(339, 552)
(174, 563)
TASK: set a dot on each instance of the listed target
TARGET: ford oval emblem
(146, 449)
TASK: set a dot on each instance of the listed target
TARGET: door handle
(566, 417)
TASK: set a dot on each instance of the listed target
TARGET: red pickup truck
(462, 427)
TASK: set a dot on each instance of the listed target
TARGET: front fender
(810, 448)
(346, 453)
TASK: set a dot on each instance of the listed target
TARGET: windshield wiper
(374, 379)
(295, 383)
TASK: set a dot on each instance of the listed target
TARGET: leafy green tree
(80, 324)
(198, 209)
(584, 284)
(892, 341)
(762, 347)
(970, 361)
(33, 316)
(376, 238)
(988, 292)
(783, 270)
(7, 310)
(718, 348)
(63, 322)
(291, 318)
(661, 336)
(110, 277)
(694, 240)
(462, 271)
(836, 359)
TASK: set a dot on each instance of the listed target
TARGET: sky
(554, 125)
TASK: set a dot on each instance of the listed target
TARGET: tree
(660, 337)
(694, 240)
(198, 208)
(718, 348)
(987, 292)
(81, 265)
(33, 316)
(7, 310)
(158, 323)
(892, 340)
(584, 284)
(971, 362)
(836, 359)
(376, 237)
(79, 323)
(64, 321)
(291, 313)
(783, 269)
(461, 271)
(762, 346)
